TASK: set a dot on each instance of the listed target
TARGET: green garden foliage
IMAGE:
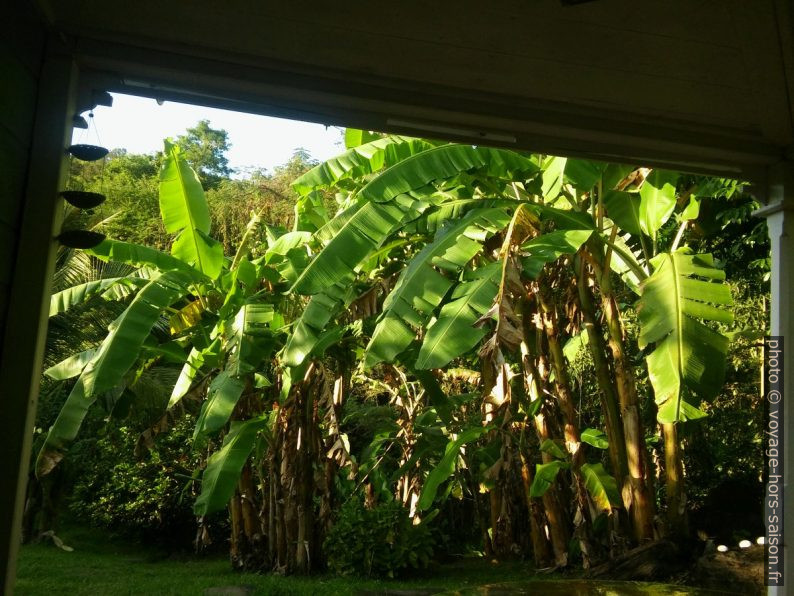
(433, 329)
(378, 542)
(149, 496)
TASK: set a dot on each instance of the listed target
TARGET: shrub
(151, 497)
(377, 542)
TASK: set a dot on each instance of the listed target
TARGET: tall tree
(205, 148)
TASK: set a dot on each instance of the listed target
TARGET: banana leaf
(310, 213)
(657, 201)
(359, 161)
(446, 466)
(224, 393)
(141, 256)
(624, 209)
(195, 360)
(453, 333)
(602, 487)
(70, 367)
(549, 247)
(553, 448)
(441, 163)
(584, 174)
(224, 466)
(115, 356)
(308, 330)
(355, 137)
(71, 297)
(553, 177)
(421, 288)
(595, 437)
(684, 292)
(545, 475)
(184, 210)
(364, 231)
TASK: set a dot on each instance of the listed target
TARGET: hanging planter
(80, 238)
(83, 199)
(88, 152)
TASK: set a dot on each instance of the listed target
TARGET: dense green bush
(377, 542)
(149, 496)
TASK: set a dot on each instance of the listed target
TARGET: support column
(779, 213)
(22, 343)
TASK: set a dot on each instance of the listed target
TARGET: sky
(139, 125)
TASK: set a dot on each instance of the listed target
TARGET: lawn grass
(103, 565)
(100, 565)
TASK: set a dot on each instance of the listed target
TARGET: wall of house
(22, 40)
(22, 44)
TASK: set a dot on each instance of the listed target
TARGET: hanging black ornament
(88, 152)
(82, 199)
(80, 238)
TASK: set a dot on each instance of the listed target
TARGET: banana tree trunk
(505, 500)
(510, 514)
(237, 544)
(552, 505)
(335, 457)
(571, 433)
(541, 545)
(299, 446)
(481, 514)
(42, 505)
(280, 560)
(248, 543)
(637, 496)
(302, 487)
(271, 509)
(604, 376)
(495, 501)
(247, 550)
(674, 482)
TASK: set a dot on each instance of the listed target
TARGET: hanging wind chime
(82, 199)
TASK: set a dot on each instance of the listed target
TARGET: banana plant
(166, 281)
(384, 207)
(195, 279)
(437, 300)
(224, 319)
(454, 200)
(441, 255)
